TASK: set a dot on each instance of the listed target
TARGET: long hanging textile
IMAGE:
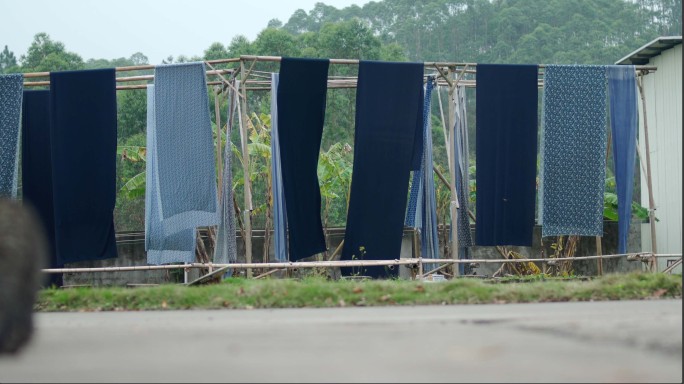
(429, 238)
(421, 212)
(506, 154)
(11, 88)
(461, 151)
(186, 169)
(301, 99)
(226, 245)
(414, 208)
(573, 150)
(161, 249)
(623, 124)
(389, 98)
(36, 168)
(279, 213)
(83, 143)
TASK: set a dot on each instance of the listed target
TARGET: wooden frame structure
(448, 74)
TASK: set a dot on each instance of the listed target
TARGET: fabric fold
(506, 154)
(36, 168)
(83, 143)
(623, 125)
(301, 99)
(11, 92)
(186, 170)
(226, 243)
(461, 153)
(429, 237)
(161, 248)
(573, 150)
(389, 100)
(279, 212)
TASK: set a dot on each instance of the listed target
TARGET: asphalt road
(624, 341)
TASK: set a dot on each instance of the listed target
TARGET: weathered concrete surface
(625, 341)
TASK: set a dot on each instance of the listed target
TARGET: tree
(44, 55)
(215, 51)
(7, 60)
(276, 42)
(240, 45)
(274, 23)
(349, 40)
(139, 59)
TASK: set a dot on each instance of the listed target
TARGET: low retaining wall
(131, 248)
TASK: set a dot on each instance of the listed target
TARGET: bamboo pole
(444, 124)
(651, 202)
(134, 67)
(246, 168)
(673, 266)
(339, 263)
(337, 250)
(454, 205)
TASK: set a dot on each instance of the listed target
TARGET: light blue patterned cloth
(421, 212)
(573, 150)
(226, 246)
(161, 249)
(461, 154)
(11, 92)
(623, 124)
(186, 167)
(429, 239)
(279, 212)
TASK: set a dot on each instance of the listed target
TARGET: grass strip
(238, 293)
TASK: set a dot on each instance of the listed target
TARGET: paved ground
(626, 341)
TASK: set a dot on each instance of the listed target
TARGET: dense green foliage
(497, 31)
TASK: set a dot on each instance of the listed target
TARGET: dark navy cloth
(83, 134)
(301, 97)
(36, 168)
(506, 153)
(623, 125)
(389, 105)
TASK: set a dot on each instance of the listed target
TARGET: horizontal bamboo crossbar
(344, 263)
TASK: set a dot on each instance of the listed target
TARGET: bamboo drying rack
(447, 74)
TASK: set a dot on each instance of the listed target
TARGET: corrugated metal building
(663, 96)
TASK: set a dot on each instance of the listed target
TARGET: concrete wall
(131, 249)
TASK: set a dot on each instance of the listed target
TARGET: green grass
(316, 292)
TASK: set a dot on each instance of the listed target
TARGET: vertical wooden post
(452, 169)
(599, 252)
(651, 203)
(219, 155)
(245, 168)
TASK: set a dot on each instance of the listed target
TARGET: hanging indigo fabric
(429, 238)
(573, 150)
(623, 124)
(506, 154)
(279, 214)
(36, 168)
(421, 212)
(461, 153)
(186, 167)
(226, 245)
(161, 248)
(301, 99)
(11, 88)
(83, 144)
(389, 100)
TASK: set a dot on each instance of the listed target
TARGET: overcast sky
(157, 28)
